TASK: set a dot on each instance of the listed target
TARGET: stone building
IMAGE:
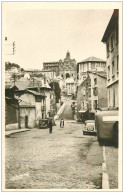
(91, 94)
(36, 101)
(67, 67)
(89, 64)
(11, 108)
(31, 107)
(64, 68)
(111, 39)
(51, 66)
(70, 86)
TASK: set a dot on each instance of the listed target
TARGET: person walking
(62, 123)
(50, 126)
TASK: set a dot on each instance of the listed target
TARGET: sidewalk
(111, 154)
(16, 131)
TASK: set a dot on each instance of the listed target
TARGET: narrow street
(65, 159)
(67, 112)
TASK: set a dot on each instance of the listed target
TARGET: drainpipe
(19, 125)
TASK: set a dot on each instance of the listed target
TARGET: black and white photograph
(61, 96)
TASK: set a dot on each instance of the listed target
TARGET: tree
(57, 90)
(9, 65)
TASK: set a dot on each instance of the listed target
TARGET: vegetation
(57, 90)
(9, 66)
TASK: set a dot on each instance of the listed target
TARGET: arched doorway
(67, 75)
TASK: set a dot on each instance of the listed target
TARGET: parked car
(89, 127)
(43, 124)
(107, 127)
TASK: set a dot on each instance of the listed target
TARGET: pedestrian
(62, 123)
(50, 126)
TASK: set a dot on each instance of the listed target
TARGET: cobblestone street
(38, 160)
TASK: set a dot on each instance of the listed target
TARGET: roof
(100, 73)
(22, 83)
(8, 86)
(82, 82)
(69, 80)
(35, 82)
(92, 59)
(47, 70)
(112, 23)
(11, 86)
(51, 63)
(26, 106)
(36, 93)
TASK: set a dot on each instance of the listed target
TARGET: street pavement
(65, 159)
(67, 112)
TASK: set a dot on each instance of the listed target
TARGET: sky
(45, 35)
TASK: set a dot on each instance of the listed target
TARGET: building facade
(11, 108)
(91, 64)
(70, 86)
(51, 66)
(91, 94)
(110, 38)
(31, 107)
(65, 68)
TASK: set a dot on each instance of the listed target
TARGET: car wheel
(100, 141)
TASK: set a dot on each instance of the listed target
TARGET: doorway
(26, 121)
(67, 75)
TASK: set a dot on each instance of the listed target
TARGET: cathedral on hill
(65, 72)
(65, 68)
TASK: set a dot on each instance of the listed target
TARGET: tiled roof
(101, 73)
(8, 86)
(22, 84)
(92, 59)
(35, 92)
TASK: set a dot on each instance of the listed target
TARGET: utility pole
(9, 45)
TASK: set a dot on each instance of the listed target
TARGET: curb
(105, 177)
(16, 131)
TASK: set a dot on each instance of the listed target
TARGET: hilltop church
(65, 71)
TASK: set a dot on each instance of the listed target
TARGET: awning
(82, 111)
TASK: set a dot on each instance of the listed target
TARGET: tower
(68, 55)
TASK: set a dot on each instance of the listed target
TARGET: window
(112, 42)
(83, 105)
(95, 91)
(84, 92)
(113, 68)
(89, 92)
(113, 97)
(93, 65)
(107, 49)
(95, 104)
(116, 34)
(117, 63)
(108, 72)
(95, 81)
(87, 66)
(109, 97)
